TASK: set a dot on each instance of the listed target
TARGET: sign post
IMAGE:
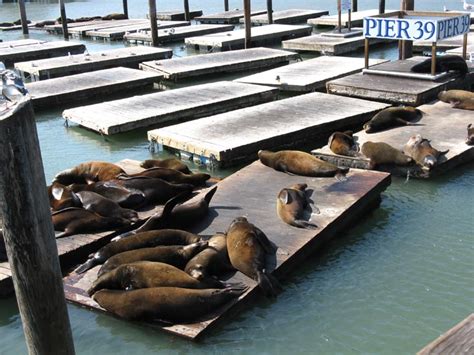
(346, 5)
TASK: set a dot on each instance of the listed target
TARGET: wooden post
(354, 5)
(248, 24)
(349, 20)
(153, 22)
(405, 48)
(62, 10)
(433, 58)
(270, 11)
(464, 46)
(381, 6)
(125, 8)
(24, 20)
(29, 235)
(339, 16)
(187, 16)
(226, 5)
(366, 53)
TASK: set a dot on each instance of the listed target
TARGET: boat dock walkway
(308, 75)
(230, 17)
(287, 17)
(168, 107)
(252, 192)
(75, 64)
(219, 62)
(444, 134)
(357, 18)
(260, 35)
(117, 33)
(287, 123)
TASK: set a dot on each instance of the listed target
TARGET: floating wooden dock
(79, 31)
(236, 136)
(20, 43)
(97, 85)
(177, 34)
(62, 66)
(220, 62)
(443, 133)
(357, 18)
(58, 28)
(396, 90)
(252, 192)
(232, 16)
(458, 51)
(308, 75)
(117, 33)
(177, 15)
(458, 340)
(443, 45)
(9, 55)
(260, 35)
(287, 16)
(168, 107)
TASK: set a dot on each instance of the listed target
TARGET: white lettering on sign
(346, 5)
(416, 29)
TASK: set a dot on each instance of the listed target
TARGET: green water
(389, 285)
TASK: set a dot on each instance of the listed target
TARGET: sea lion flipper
(402, 122)
(304, 224)
(267, 244)
(89, 264)
(268, 283)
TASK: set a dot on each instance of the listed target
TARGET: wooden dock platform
(228, 17)
(357, 18)
(62, 66)
(177, 34)
(458, 50)
(443, 45)
(397, 90)
(9, 55)
(219, 63)
(290, 16)
(168, 107)
(458, 340)
(20, 43)
(58, 28)
(177, 15)
(79, 31)
(260, 35)
(308, 75)
(252, 192)
(444, 134)
(117, 33)
(97, 85)
(288, 123)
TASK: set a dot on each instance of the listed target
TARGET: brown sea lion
(73, 220)
(141, 240)
(299, 163)
(383, 153)
(41, 24)
(422, 152)
(444, 63)
(172, 176)
(61, 197)
(89, 172)
(470, 134)
(170, 304)
(145, 274)
(105, 207)
(392, 117)
(291, 205)
(343, 143)
(248, 249)
(171, 163)
(458, 99)
(114, 16)
(176, 255)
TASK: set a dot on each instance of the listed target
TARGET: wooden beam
(381, 6)
(247, 24)
(24, 21)
(187, 17)
(153, 23)
(464, 46)
(29, 235)
(62, 10)
(125, 8)
(270, 11)
(433, 59)
(366, 53)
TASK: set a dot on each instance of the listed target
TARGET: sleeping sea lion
(172, 176)
(458, 99)
(248, 249)
(444, 63)
(171, 163)
(291, 205)
(392, 117)
(170, 304)
(470, 134)
(61, 197)
(176, 255)
(105, 207)
(299, 163)
(422, 152)
(114, 16)
(343, 143)
(89, 172)
(383, 153)
(140, 240)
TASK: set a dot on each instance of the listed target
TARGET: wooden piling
(153, 23)
(248, 24)
(226, 5)
(29, 235)
(406, 47)
(339, 16)
(354, 6)
(270, 11)
(187, 16)
(125, 8)
(24, 21)
(62, 10)
(381, 6)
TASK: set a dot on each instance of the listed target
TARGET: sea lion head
(368, 127)
(198, 272)
(442, 95)
(237, 220)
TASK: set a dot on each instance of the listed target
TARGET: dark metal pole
(270, 11)
(187, 16)
(125, 8)
(226, 5)
(354, 5)
(153, 23)
(62, 10)
(24, 21)
(248, 24)
(381, 6)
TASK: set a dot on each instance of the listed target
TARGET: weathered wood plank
(357, 18)
(117, 33)
(236, 136)
(86, 86)
(444, 134)
(232, 16)
(177, 15)
(61, 66)
(220, 62)
(289, 16)
(260, 35)
(168, 107)
(308, 75)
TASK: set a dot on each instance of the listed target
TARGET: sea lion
(114, 16)
(170, 304)
(73, 220)
(105, 207)
(458, 99)
(383, 153)
(171, 163)
(443, 64)
(176, 255)
(299, 163)
(470, 135)
(392, 117)
(248, 249)
(172, 176)
(61, 197)
(291, 205)
(343, 143)
(3, 250)
(141, 240)
(211, 262)
(422, 152)
(145, 274)
(89, 172)
(41, 24)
